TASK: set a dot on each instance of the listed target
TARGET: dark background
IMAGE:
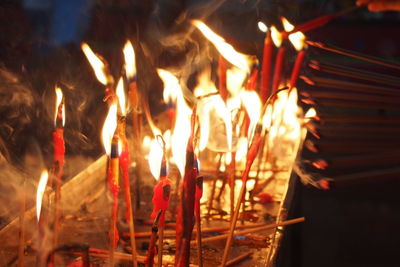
(352, 225)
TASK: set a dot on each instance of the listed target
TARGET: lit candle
(298, 41)
(58, 160)
(111, 146)
(277, 37)
(266, 63)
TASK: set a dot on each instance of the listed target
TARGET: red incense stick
(184, 221)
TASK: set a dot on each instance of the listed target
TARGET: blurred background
(354, 225)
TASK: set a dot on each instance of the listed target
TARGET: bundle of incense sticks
(353, 139)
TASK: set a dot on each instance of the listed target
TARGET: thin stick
(354, 55)
(251, 154)
(198, 239)
(239, 258)
(172, 233)
(131, 220)
(252, 230)
(160, 246)
(21, 246)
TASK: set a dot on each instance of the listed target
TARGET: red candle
(296, 68)
(266, 68)
(278, 69)
(113, 176)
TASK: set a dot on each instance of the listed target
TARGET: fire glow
(40, 193)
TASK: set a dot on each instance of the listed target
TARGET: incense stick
(353, 54)
(239, 258)
(252, 230)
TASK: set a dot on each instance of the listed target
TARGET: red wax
(296, 68)
(278, 69)
(266, 68)
(160, 200)
(124, 164)
(59, 147)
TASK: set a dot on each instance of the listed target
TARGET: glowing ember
(226, 50)
(297, 39)
(120, 92)
(59, 103)
(310, 114)
(109, 127)
(96, 63)
(40, 192)
(130, 60)
(262, 26)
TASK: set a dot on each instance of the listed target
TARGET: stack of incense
(354, 138)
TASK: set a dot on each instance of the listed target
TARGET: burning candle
(277, 38)
(266, 63)
(160, 196)
(111, 145)
(59, 151)
(41, 215)
(298, 41)
(124, 162)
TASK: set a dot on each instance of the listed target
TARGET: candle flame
(130, 60)
(211, 108)
(96, 62)
(120, 92)
(155, 157)
(40, 192)
(241, 150)
(109, 127)
(182, 128)
(252, 103)
(297, 39)
(59, 103)
(237, 59)
(276, 36)
(262, 26)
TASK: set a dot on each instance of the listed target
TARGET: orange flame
(96, 63)
(120, 92)
(237, 59)
(59, 101)
(155, 158)
(276, 36)
(211, 109)
(182, 126)
(297, 39)
(130, 60)
(262, 26)
(252, 103)
(40, 192)
(109, 127)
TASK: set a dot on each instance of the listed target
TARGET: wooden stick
(172, 233)
(198, 239)
(251, 154)
(252, 230)
(239, 258)
(160, 246)
(353, 54)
